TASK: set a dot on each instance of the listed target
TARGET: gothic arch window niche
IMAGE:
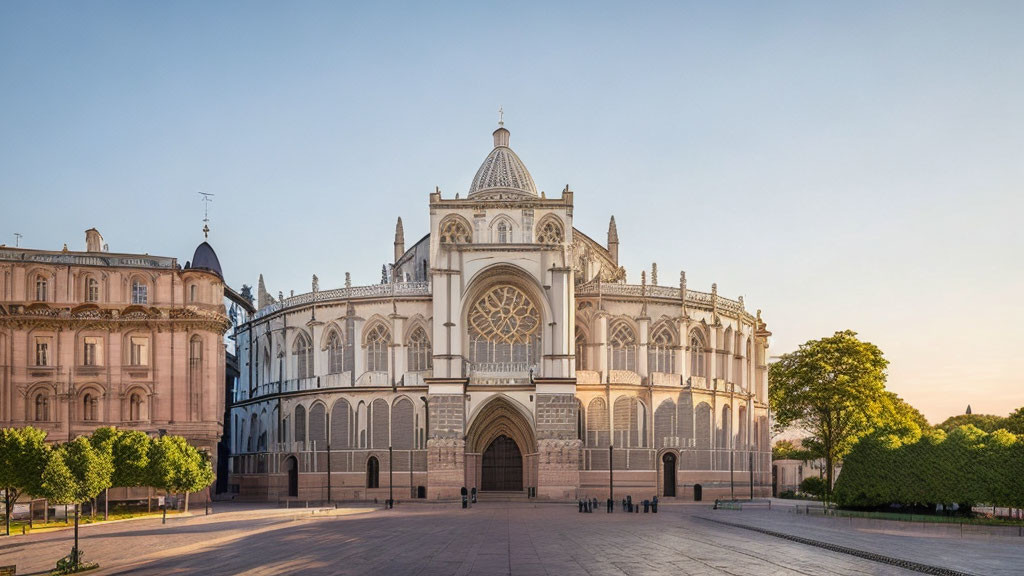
(622, 347)
(504, 326)
(335, 354)
(550, 231)
(455, 230)
(378, 342)
(661, 349)
(302, 350)
(420, 355)
(698, 361)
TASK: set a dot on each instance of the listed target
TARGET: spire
(262, 298)
(968, 410)
(613, 240)
(399, 239)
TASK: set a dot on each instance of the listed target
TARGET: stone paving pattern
(493, 538)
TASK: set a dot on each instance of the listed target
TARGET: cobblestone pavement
(427, 540)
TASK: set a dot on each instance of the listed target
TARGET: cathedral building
(96, 338)
(505, 352)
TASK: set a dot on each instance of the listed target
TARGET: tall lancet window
(420, 354)
(303, 352)
(622, 347)
(697, 357)
(378, 341)
(661, 350)
(335, 354)
(502, 233)
(504, 331)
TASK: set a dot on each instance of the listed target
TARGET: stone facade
(95, 338)
(505, 350)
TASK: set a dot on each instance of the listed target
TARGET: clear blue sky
(842, 165)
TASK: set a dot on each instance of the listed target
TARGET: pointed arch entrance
(501, 447)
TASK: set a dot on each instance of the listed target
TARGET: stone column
(682, 367)
(600, 347)
(398, 348)
(558, 447)
(446, 444)
(562, 326)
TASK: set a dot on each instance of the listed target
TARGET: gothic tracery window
(419, 351)
(622, 347)
(697, 357)
(661, 350)
(378, 341)
(455, 231)
(502, 233)
(335, 354)
(303, 352)
(581, 349)
(550, 231)
(504, 330)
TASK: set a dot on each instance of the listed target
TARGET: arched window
(303, 352)
(697, 356)
(581, 349)
(661, 350)
(40, 289)
(140, 292)
(550, 231)
(92, 290)
(300, 423)
(266, 366)
(455, 230)
(378, 341)
(630, 420)
(89, 405)
(193, 293)
(504, 331)
(42, 407)
(420, 353)
(135, 407)
(502, 233)
(335, 354)
(373, 472)
(622, 347)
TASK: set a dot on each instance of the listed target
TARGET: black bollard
(474, 494)
(580, 504)
(654, 505)
(465, 498)
(611, 505)
(647, 506)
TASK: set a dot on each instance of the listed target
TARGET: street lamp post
(391, 478)
(611, 478)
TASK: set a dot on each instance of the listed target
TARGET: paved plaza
(496, 538)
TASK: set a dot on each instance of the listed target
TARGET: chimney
(399, 240)
(93, 240)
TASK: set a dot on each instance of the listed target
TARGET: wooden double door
(502, 466)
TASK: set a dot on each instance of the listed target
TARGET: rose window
(504, 331)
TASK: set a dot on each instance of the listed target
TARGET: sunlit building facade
(504, 351)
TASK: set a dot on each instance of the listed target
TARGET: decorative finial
(348, 280)
(654, 274)
(643, 278)
(207, 198)
(501, 116)
(316, 284)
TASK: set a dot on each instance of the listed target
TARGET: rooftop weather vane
(207, 198)
(17, 239)
(501, 116)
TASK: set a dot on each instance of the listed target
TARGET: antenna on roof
(207, 198)
(17, 239)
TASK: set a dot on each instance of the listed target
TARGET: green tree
(834, 389)
(23, 455)
(1015, 422)
(76, 472)
(983, 422)
(176, 466)
(131, 458)
(787, 450)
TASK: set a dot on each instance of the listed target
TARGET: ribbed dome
(206, 259)
(502, 172)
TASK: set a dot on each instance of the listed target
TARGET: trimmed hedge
(967, 466)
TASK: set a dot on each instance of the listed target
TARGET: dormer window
(140, 292)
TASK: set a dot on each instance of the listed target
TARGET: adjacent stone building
(504, 351)
(96, 338)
